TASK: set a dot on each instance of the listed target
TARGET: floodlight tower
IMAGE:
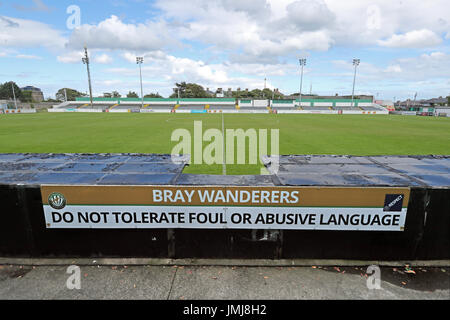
(263, 95)
(85, 60)
(139, 61)
(356, 63)
(302, 64)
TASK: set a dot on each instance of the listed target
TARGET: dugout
(330, 192)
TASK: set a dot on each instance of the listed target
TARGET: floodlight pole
(302, 64)
(14, 95)
(86, 62)
(139, 61)
(355, 63)
(263, 95)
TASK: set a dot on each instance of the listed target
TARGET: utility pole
(139, 61)
(85, 60)
(65, 94)
(302, 64)
(356, 63)
(14, 95)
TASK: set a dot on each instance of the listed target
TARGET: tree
(256, 93)
(268, 94)
(132, 94)
(153, 95)
(51, 100)
(72, 94)
(190, 90)
(6, 91)
(115, 94)
(26, 96)
(241, 94)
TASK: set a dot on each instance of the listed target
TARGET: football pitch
(151, 133)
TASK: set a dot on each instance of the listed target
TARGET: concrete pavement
(222, 282)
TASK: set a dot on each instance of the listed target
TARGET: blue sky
(404, 46)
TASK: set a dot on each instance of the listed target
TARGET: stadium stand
(208, 105)
(191, 107)
(316, 108)
(370, 108)
(222, 107)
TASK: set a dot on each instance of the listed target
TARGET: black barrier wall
(23, 231)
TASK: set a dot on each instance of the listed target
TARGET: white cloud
(71, 57)
(426, 67)
(21, 33)
(76, 56)
(103, 59)
(267, 31)
(413, 39)
(167, 69)
(109, 83)
(309, 14)
(394, 69)
(113, 33)
(130, 57)
(28, 56)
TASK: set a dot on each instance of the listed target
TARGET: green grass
(150, 133)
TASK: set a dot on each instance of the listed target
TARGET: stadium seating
(221, 107)
(159, 107)
(218, 105)
(370, 109)
(316, 108)
(191, 107)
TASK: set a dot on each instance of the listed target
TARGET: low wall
(332, 112)
(75, 110)
(13, 111)
(263, 110)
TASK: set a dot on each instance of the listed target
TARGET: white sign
(210, 217)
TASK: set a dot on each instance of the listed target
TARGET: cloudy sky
(404, 45)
